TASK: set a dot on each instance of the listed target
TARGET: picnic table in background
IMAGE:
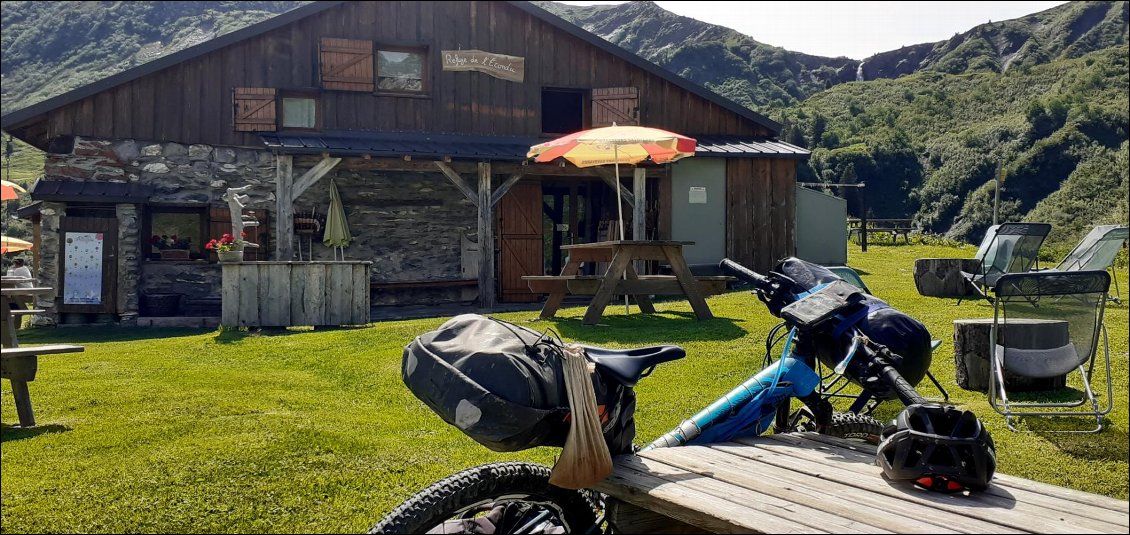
(621, 278)
(19, 364)
(894, 227)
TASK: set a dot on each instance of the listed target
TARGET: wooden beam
(462, 184)
(639, 211)
(610, 178)
(505, 187)
(284, 207)
(486, 239)
(311, 177)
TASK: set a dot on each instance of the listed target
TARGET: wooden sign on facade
(512, 68)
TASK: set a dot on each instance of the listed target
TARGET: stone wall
(408, 224)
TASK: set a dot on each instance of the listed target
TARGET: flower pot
(230, 256)
(174, 254)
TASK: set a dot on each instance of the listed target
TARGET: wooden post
(284, 208)
(486, 239)
(639, 211)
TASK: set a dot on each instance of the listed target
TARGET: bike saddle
(627, 366)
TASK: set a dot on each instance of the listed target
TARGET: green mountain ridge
(1045, 96)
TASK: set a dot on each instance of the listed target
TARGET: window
(177, 230)
(299, 112)
(562, 111)
(401, 70)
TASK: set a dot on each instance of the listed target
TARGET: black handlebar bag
(502, 384)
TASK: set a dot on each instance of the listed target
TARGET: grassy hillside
(929, 144)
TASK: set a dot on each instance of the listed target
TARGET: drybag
(502, 385)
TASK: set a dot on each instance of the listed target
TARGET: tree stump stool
(941, 277)
(971, 351)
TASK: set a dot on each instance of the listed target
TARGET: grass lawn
(312, 431)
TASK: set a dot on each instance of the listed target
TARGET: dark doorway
(562, 111)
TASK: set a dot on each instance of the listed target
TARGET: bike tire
(850, 426)
(484, 484)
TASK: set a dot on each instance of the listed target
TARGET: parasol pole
(620, 211)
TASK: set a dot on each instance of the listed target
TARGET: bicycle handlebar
(758, 280)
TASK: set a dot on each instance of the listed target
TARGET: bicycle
(828, 322)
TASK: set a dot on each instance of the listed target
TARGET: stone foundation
(407, 224)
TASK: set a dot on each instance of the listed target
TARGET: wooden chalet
(422, 114)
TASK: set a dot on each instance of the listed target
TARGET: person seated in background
(19, 269)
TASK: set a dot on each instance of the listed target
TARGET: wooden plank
(639, 219)
(609, 177)
(248, 295)
(459, 182)
(360, 309)
(298, 275)
(314, 296)
(649, 484)
(987, 506)
(284, 207)
(340, 300)
(123, 111)
(687, 281)
(49, 349)
(312, 176)
(834, 498)
(265, 308)
(1089, 505)
(229, 295)
(501, 190)
(629, 518)
(486, 238)
(607, 289)
(277, 307)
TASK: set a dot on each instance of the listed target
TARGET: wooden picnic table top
(9, 292)
(618, 243)
(810, 483)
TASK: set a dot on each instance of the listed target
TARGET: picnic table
(19, 364)
(811, 483)
(894, 227)
(621, 278)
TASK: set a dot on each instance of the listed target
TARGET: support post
(486, 238)
(284, 208)
(639, 211)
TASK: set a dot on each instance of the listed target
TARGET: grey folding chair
(1057, 317)
(849, 275)
(1096, 252)
(1008, 248)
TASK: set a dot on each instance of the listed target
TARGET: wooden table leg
(553, 302)
(8, 337)
(23, 403)
(687, 281)
(608, 284)
(643, 300)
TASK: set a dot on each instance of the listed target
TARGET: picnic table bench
(811, 483)
(894, 227)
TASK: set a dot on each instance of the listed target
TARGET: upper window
(562, 111)
(299, 112)
(401, 70)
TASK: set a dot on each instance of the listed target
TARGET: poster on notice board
(82, 274)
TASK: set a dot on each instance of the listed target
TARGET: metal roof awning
(90, 192)
(748, 147)
(399, 144)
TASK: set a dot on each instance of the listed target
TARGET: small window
(400, 70)
(299, 112)
(176, 233)
(562, 111)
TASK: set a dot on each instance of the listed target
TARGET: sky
(853, 29)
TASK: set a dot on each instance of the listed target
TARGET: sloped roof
(17, 117)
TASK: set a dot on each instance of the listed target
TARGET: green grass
(313, 431)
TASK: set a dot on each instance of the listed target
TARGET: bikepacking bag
(902, 334)
(503, 385)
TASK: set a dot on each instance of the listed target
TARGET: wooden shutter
(219, 223)
(620, 105)
(254, 109)
(347, 64)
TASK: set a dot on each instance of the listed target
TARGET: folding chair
(1096, 252)
(1007, 248)
(849, 275)
(1067, 309)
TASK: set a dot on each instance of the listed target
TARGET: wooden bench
(895, 232)
(810, 483)
(28, 312)
(651, 284)
(19, 365)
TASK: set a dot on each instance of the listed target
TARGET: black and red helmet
(939, 448)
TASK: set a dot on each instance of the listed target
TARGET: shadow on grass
(228, 335)
(11, 432)
(1110, 444)
(86, 335)
(668, 327)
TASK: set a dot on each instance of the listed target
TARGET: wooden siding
(760, 211)
(191, 102)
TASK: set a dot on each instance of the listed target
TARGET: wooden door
(520, 231)
(88, 274)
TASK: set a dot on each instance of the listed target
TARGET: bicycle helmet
(939, 448)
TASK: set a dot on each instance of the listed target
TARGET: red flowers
(225, 243)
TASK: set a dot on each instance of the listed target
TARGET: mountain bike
(826, 323)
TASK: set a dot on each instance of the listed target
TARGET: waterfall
(859, 73)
